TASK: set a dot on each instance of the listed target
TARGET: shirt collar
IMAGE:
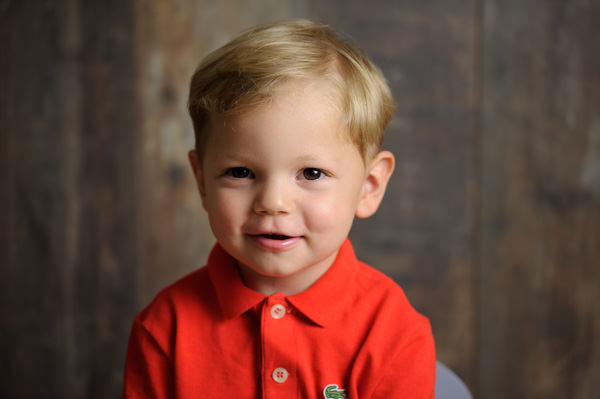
(325, 298)
(319, 303)
(234, 297)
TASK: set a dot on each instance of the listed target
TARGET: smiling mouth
(275, 237)
(276, 242)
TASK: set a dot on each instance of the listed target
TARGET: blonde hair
(244, 74)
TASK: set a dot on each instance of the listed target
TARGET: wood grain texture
(68, 269)
(541, 201)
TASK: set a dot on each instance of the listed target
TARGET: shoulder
(190, 294)
(380, 299)
(378, 287)
(398, 343)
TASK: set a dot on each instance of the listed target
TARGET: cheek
(224, 209)
(330, 212)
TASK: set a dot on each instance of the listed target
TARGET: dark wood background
(491, 223)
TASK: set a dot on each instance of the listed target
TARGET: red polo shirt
(209, 336)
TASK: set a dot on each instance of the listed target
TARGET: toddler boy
(289, 121)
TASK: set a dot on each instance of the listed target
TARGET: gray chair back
(448, 385)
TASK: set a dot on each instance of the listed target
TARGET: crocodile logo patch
(333, 391)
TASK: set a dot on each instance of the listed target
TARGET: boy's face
(281, 185)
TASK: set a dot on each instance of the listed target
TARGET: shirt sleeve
(411, 373)
(148, 369)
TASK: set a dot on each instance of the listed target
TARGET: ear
(376, 180)
(198, 175)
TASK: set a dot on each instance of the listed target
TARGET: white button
(278, 311)
(280, 375)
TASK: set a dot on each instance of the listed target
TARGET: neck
(288, 285)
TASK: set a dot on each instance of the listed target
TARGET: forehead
(307, 101)
(306, 113)
(293, 103)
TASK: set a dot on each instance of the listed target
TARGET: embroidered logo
(332, 391)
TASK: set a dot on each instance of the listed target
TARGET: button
(278, 311)
(280, 375)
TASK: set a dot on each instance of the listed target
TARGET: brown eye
(239, 172)
(312, 174)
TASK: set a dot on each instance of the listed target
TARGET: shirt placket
(279, 373)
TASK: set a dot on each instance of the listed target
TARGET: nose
(274, 197)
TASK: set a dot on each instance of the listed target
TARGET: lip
(275, 241)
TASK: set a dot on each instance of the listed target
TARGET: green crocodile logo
(332, 391)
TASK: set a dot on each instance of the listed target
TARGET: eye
(312, 174)
(239, 172)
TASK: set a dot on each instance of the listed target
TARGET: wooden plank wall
(540, 230)
(68, 135)
(491, 224)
